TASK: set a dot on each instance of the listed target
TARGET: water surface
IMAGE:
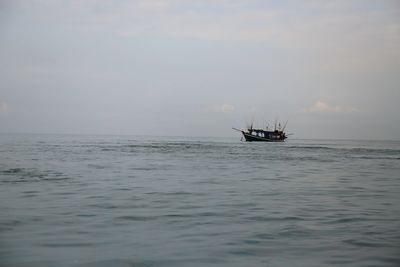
(160, 201)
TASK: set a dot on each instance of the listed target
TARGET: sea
(87, 200)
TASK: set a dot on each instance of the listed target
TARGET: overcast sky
(198, 68)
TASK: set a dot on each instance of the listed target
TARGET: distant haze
(198, 68)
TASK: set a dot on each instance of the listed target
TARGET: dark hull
(254, 138)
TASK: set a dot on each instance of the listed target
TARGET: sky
(198, 68)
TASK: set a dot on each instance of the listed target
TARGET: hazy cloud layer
(322, 107)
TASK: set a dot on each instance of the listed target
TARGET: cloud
(323, 107)
(308, 23)
(343, 37)
(3, 107)
(224, 108)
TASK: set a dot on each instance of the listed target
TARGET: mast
(284, 127)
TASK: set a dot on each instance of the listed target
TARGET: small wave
(12, 171)
(104, 206)
(348, 220)
(263, 218)
(294, 233)
(174, 147)
(243, 252)
(30, 175)
(388, 151)
(169, 216)
(71, 244)
(264, 236)
(376, 157)
(7, 225)
(357, 150)
(177, 193)
(363, 243)
(108, 149)
(10, 222)
(311, 147)
(136, 218)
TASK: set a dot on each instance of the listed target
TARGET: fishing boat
(261, 135)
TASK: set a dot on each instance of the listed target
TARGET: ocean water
(70, 200)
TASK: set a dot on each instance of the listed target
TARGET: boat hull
(254, 138)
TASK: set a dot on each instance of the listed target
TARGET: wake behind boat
(261, 135)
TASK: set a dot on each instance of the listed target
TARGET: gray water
(159, 201)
